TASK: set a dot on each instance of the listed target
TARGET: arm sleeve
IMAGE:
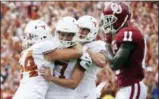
(44, 47)
(122, 55)
(96, 46)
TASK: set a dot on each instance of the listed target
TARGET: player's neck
(125, 25)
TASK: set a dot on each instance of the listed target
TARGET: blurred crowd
(15, 15)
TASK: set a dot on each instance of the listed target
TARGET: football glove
(85, 60)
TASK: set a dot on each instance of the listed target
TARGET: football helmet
(114, 16)
(36, 31)
(67, 25)
(90, 23)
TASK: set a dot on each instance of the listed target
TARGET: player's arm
(64, 54)
(97, 58)
(121, 56)
(72, 83)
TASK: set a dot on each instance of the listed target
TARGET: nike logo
(86, 96)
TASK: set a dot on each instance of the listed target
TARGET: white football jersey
(33, 85)
(87, 86)
(63, 69)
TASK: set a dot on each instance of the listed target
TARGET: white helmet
(90, 23)
(67, 25)
(36, 31)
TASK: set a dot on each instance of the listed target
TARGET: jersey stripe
(145, 50)
(138, 90)
(132, 92)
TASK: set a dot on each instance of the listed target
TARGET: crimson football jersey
(131, 71)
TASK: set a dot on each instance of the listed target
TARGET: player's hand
(108, 53)
(86, 60)
(46, 73)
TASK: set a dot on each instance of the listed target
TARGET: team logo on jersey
(86, 96)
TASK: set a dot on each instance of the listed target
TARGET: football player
(63, 69)
(84, 76)
(40, 47)
(127, 53)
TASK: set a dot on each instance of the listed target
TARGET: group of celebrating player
(64, 66)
